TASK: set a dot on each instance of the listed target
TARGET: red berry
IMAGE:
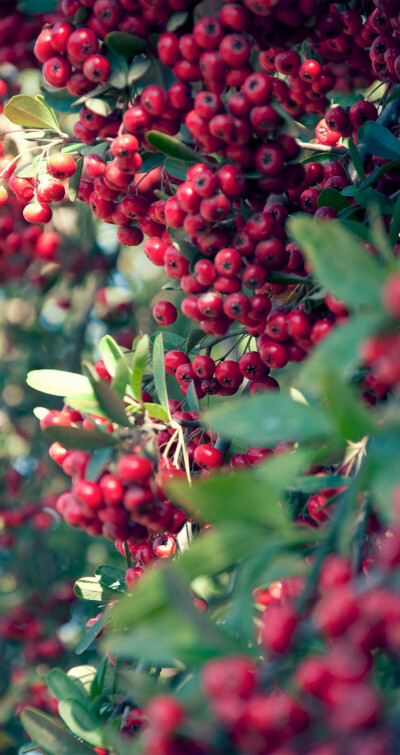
(208, 457)
(165, 313)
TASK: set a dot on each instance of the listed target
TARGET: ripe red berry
(203, 366)
(97, 68)
(208, 457)
(132, 468)
(61, 165)
(165, 313)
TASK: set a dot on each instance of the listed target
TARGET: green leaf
(339, 261)
(191, 397)
(139, 66)
(313, 483)
(395, 224)
(64, 688)
(97, 463)
(60, 383)
(121, 378)
(190, 251)
(29, 111)
(125, 44)
(92, 633)
(75, 437)
(32, 7)
(159, 372)
(74, 181)
(379, 140)
(270, 418)
(150, 161)
(383, 462)
(172, 147)
(356, 159)
(111, 577)
(119, 67)
(339, 351)
(193, 338)
(351, 419)
(50, 736)
(100, 106)
(109, 400)
(157, 411)
(97, 685)
(138, 366)
(333, 198)
(81, 721)
(90, 588)
(221, 497)
(171, 340)
(176, 20)
(176, 168)
(111, 353)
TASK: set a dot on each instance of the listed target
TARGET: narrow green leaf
(99, 679)
(111, 353)
(270, 418)
(159, 371)
(172, 147)
(121, 378)
(64, 688)
(356, 159)
(109, 400)
(193, 338)
(339, 261)
(176, 168)
(25, 110)
(138, 366)
(351, 419)
(60, 383)
(139, 66)
(92, 633)
(119, 68)
(74, 181)
(52, 738)
(333, 198)
(75, 437)
(191, 397)
(97, 463)
(157, 411)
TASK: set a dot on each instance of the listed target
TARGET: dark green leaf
(75, 437)
(30, 111)
(379, 140)
(268, 419)
(220, 498)
(339, 261)
(52, 738)
(119, 67)
(339, 351)
(138, 366)
(99, 679)
(109, 400)
(357, 228)
(64, 688)
(193, 338)
(170, 340)
(313, 483)
(92, 633)
(60, 99)
(31, 7)
(176, 168)
(332, 198)
(159, 371)
(356, 159)
(190, 251)
(172, 147)
(74, 181)
(395, 224)
(125, 44)
(97, 463)
(111, 577)
(191, 397)
(139, 66)
(150, 161)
